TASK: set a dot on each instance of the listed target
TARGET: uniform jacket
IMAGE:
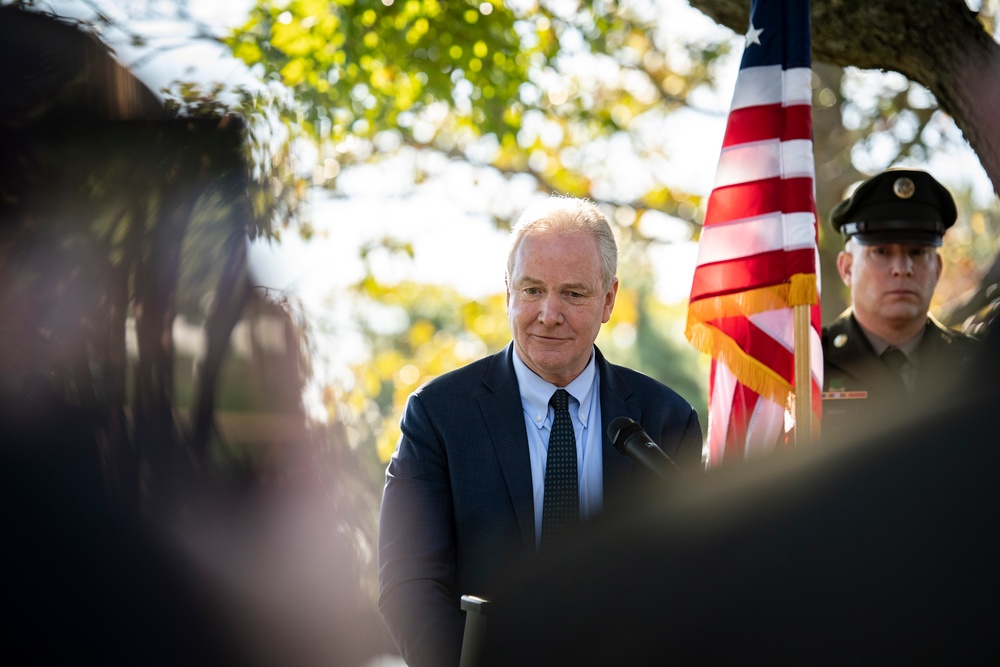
(457, 509)
(859, 391)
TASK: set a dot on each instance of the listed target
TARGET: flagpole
(803, 377)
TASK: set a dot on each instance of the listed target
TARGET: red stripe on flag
(748, 200)
(746, 273)
(769, 121)
(759, 345)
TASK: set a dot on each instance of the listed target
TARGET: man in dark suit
(886, 356)
(471, 486)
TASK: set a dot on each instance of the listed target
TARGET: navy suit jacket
(458, 509)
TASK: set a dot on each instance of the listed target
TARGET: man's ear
(845, 264)
(609, 301)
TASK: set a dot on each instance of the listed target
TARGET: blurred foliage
(415, 333)
(550, 89)
(276, 190)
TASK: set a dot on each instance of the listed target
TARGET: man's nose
(550, 310)
(902, 264)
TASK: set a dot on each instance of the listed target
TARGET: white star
(753, 36)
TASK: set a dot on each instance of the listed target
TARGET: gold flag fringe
(800, 290)
(748, 370)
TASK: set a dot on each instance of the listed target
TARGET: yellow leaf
(293, 73)
(387, 439)
(626, 307)
(420, 333)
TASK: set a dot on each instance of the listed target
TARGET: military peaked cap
(896, 206)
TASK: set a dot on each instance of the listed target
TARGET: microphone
(631, 440)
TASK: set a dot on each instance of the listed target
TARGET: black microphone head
(620, 429)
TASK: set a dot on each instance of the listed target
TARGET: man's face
(891, 283)
(556, 303)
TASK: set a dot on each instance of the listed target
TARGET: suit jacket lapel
(615, 395)
(505, 424)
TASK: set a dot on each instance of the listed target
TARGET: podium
(475, 630)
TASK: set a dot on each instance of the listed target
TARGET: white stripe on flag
(734, 240)
(780, 325)
(798, 86)
(764, 427)
(767, 423)
(742, 238)
(797, 158)
(800, 230)
(744, 163)
(719, 411)
(755, 161)
(757, 86)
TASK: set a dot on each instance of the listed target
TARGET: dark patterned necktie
(894, 359)
(561, 502)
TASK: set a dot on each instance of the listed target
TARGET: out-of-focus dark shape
(115, 219)
(54, 71)
(99, 191)
(84, 582)
(877, 551)
(166, 501)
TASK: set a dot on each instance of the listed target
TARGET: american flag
(758, 253)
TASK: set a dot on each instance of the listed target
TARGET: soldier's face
(891, 283)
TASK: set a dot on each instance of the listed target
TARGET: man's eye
(574, 295)
(532, 290)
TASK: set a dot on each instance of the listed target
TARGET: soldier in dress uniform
(886, 356)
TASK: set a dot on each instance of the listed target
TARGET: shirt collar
(536, 392)
(909, 348)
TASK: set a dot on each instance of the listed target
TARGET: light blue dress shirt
(585, 413)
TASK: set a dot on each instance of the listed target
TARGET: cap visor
(897, 236)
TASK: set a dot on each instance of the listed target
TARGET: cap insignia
(904, 187)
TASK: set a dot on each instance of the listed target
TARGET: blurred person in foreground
(886, 356)
(881, 550)
(467, 492)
